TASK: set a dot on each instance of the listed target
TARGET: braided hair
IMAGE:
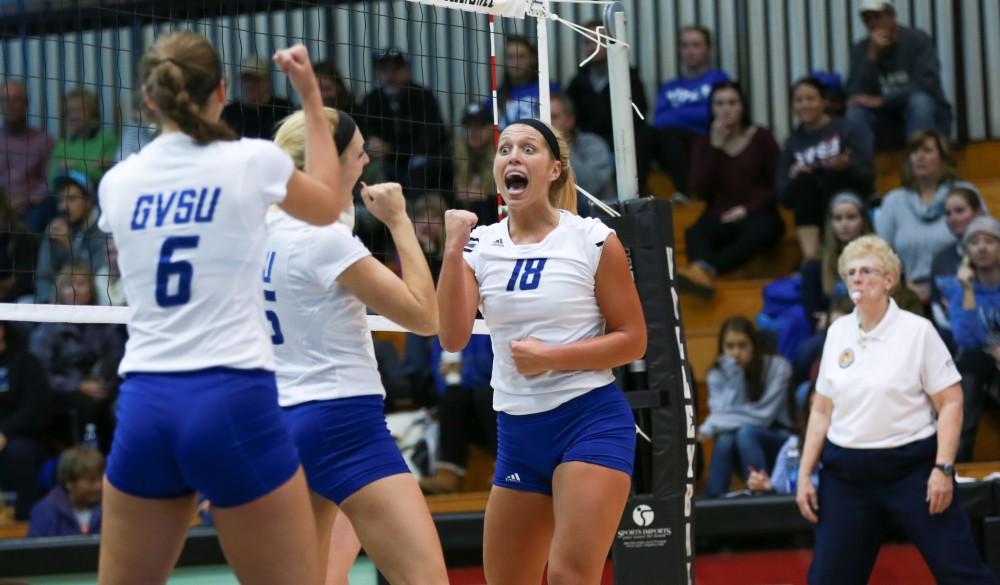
(179, 73)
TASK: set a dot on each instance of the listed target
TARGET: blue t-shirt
(521, 101)
(683, 103)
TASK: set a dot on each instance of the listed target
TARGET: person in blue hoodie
(682, 109)
(748, 404)
(74, 505)
(973, 301)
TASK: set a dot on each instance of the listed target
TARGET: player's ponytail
(179, 72)
(562, 191)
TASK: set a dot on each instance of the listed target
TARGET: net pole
(544, 97)
(620, 84)
(496, 105)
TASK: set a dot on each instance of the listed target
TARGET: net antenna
(617, 46)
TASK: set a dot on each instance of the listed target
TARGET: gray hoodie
(728, 404)
(909, 65)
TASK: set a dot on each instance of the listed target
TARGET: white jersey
(545, 291)
(322, 344)
(189, 224)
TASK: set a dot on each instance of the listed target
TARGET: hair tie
(546, 133)
(344, 133)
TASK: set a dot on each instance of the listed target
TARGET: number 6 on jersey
(531, 276)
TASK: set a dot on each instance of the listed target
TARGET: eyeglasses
(865, 272)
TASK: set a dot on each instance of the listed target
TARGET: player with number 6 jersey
(198, 409)
(558, 297)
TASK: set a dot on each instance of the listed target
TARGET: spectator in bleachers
(108, 280)
(519, 93)
(83, 146)
(24, 409)
(81, 360)
(589, 155)
(590, 90)
(847, 220)
(961, 206)
(403, 127)
(428, 223)
(733, 170)
(74, 506)
(73, 236)
(465, 411)
(748, 405)
(911, 218)
(17, 254)
(24, 157)
(140, 129)
(973, 300)
(682, 111)
(895, 78)
(257, 111)
(823, 155)
(332, 87)
(475, 188)
(834, 96)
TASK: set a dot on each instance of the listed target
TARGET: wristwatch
(947, 468)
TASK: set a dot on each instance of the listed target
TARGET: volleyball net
(430, 83)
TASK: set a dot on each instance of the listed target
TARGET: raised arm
(409, 301)
(457, 291)
(314, 196)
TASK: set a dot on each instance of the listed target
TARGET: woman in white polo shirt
(886, 418)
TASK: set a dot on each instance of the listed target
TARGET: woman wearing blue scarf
(911, 218)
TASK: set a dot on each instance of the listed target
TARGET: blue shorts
(217, 431)
(344, 444)
(597, 428)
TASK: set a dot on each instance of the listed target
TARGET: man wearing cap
(257, 111)
(402, 123)
(24, 153)
(895, 77)
(475, 188)
(73, 236)
(973, 300)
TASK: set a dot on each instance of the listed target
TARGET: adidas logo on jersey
(513, 478)
(498, 242)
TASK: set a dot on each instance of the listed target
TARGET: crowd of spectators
(699, 132)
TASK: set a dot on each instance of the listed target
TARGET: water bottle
(90, 435)
(451, 367)
(792, 457)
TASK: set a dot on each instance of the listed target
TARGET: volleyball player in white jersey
(562, 309)
(317, 283)
(198, 409)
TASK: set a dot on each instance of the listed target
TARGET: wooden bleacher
(740, 293)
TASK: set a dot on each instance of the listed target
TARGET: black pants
(670, 148)
(19, 462)
(467, 417)
(727, 246)
(978, 370)
(862, 490)
(809, 194)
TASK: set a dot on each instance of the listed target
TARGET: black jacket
(593, 108)
(410, 122)
(24, 389)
